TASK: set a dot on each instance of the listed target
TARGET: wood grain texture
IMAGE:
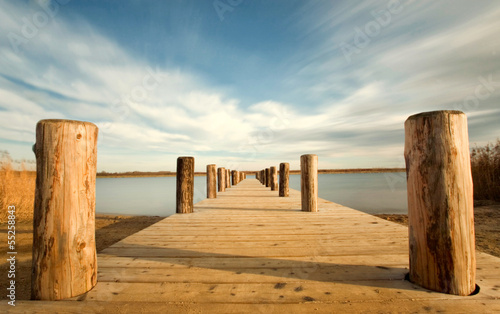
(274, 178)
(211, 181)
(284, 185)
(185, 185)
(221, 179)
(64, 253)
(309, 182)
(440, 202)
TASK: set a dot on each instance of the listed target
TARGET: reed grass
(17, 188)
(485, 167)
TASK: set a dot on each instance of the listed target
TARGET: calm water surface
(369, 192)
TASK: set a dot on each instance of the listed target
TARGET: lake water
(374, 193)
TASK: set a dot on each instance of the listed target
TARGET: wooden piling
(211, 181)
(228, 178)
(233, 177)
(440, 202)
(309, 182)
(274, 178)
(64, 263)
(268, 177)
(185, 185)
(284, 179)
(221, 179)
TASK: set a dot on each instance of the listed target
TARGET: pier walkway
(249, 250)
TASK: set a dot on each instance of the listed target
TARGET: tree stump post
(274, 178)
(309, 182)
(284, 179)
(185, 185)
(221, 179)
(64, 263)
(268, 177)
(440, 202)
(211, 181)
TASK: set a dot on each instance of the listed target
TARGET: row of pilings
(439, 184)
(218, 179)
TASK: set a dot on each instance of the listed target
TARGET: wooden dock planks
(249, 250)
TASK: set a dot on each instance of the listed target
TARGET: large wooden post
(284, 179)
(221, 179)
(309, 182)
(268, 177)
(440, 202)
(185, 185)
(211, 181)
(274, 178)
(64, 261)
(263, 177)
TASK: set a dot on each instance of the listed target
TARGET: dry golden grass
(17, 188)
(485, 166)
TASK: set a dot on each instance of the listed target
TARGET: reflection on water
(369, 192)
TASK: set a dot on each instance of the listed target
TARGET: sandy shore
(109, 230)
(112, 228)
(486, 223)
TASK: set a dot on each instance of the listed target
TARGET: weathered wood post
(263, 176)
(309, 182)
(221, 179)
(233, 177)
(274, 178)
(64, 261)
(228, 178)
(440, 202)
(268, 177)
(185, 185)
(211, 181)
(284, 179)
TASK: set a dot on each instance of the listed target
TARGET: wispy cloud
(350, 112)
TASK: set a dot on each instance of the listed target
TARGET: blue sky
(246, 84)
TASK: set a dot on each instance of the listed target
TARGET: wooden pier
(249, 250)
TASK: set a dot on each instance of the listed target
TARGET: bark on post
(211, 181)
(440, 202)
(64, 263)
(221, 179)
(309, 182)
(284, 179)
(274, 178)
(185, 185)
(268, 177)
